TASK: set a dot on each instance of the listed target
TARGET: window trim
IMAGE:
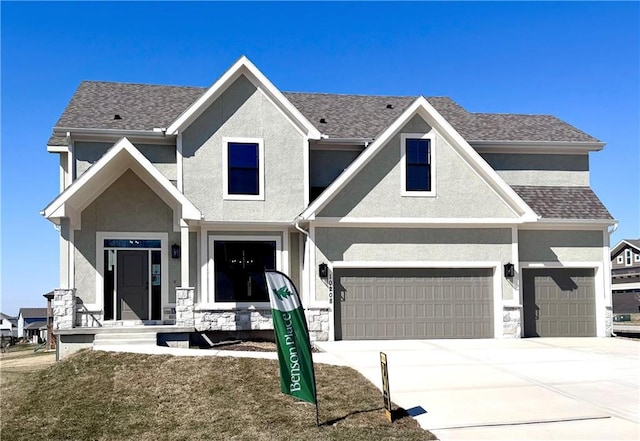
(225, 169)
(403, 164)
(628, 260)
(212, 272)
(620, 259)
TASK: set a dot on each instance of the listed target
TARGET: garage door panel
(559, 302)
(416, 303)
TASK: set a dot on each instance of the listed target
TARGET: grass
(103, 396)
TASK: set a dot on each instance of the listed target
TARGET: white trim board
(244, 67)
(225, 169)
(164, 268)
(431, 160)
(118, 159)
(210, 302)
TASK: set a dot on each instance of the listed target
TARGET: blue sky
(579, 61)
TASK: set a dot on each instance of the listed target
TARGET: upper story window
(637, 257)
(627, 257)
(417, 164)
(620, 258)
(243, 168)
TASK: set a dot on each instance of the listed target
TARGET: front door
(133, 285)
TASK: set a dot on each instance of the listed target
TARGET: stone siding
(512, 322)
(608, 321)
(259, 320)
(318, 319)
(64, 308)
(184, 306)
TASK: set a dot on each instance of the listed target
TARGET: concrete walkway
(547, 389)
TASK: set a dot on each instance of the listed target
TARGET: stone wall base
(258, 320)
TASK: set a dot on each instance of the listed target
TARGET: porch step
(125, 338)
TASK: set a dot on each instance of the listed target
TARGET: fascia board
(359, 163)
(430, 114)
(57, 204)
(621, 244)
(57, 207)
(536, 147)
(240, 67)
(58, 149)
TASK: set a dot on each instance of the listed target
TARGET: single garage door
(559, 302)
(413, 303)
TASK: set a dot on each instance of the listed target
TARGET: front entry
(133, 285)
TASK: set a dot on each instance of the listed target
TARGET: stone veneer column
(512, 322)
(608, 321)
(184, 306)
(64, 308)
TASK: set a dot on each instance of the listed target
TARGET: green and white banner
(292, 338)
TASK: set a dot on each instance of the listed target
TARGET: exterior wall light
(175, 251)
(509, 271)
(323, 270)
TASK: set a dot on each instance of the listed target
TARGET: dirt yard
(17, 362)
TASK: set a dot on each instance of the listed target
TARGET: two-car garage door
(393, 303)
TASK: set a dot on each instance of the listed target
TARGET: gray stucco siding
(540, 169)
(162, 156)
(128, 205)
(560, 246)
(244, 111)
(427, 245)
(376, 190)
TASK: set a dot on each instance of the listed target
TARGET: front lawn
(96, 395)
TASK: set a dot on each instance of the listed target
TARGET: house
(625, 276)
(30, 320)
(397, 217)
(8, 327)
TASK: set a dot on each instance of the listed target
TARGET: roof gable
(427, 112)
(243, 67)
(625, 243)
(121, 157)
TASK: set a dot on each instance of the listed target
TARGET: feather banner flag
(297, 376)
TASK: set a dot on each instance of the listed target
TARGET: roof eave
(554, 147)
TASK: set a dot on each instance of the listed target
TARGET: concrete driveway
(543, 388)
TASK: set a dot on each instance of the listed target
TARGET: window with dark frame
(239, 270)
(418, 164)
(243, 168)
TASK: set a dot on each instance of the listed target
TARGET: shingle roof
(36, 325)
(634, 242)
(33, 312)
(563, 202)
(144, 107)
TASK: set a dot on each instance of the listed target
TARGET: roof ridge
(352, 95)
(127, 83)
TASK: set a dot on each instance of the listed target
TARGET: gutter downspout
(306, 257)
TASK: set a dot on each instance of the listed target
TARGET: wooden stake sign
(385, 386)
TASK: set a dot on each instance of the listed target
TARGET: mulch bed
(249, 345)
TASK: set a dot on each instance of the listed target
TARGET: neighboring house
(30, 320)
(625, 276)
(8, 326)
(397, 217)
